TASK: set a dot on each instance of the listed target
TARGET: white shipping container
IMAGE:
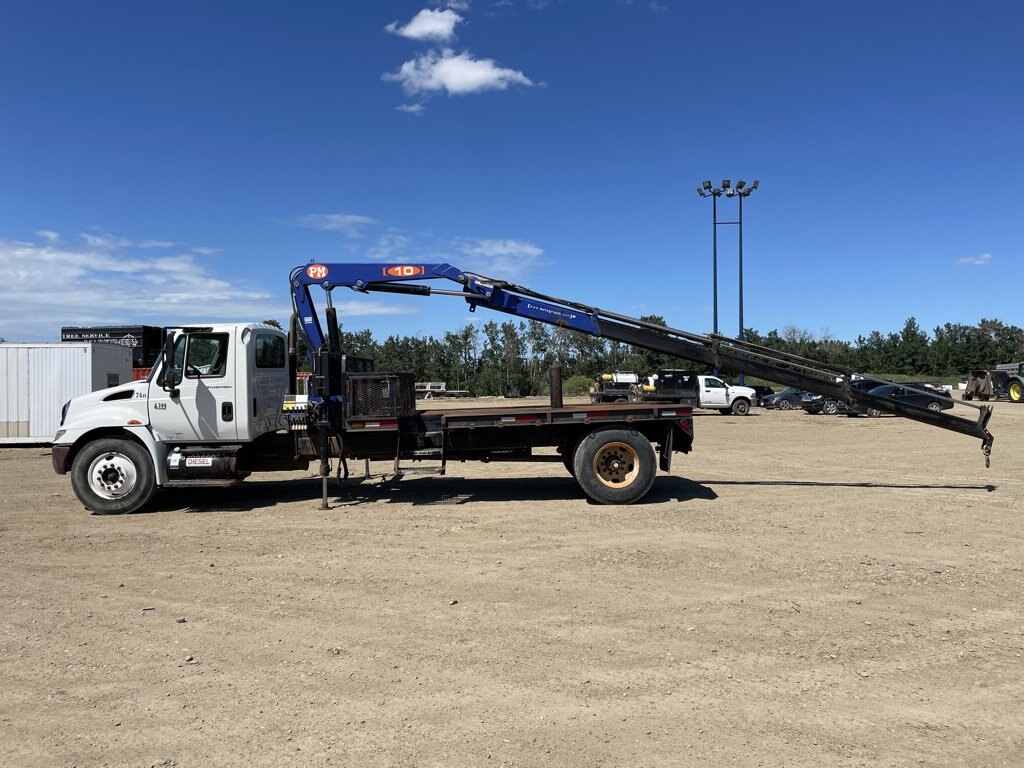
(37, 379)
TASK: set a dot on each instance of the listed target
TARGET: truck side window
(206, 356)
(714, 383)
(269, 351)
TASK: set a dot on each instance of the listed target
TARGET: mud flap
(665, 453)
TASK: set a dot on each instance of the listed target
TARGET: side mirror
(171, 376)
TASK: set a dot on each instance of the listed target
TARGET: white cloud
(349, 224)
(456, 74)
(386, 246)
(458, 5)
(156, 244)
(415, 109)
(501, 258)
(202, 251)
(428, 24)
(48, 234)
(105, 242)
(977, 261)
(49, 285)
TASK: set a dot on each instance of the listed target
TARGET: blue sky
(170, 162)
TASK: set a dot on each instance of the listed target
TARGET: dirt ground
(800, 591)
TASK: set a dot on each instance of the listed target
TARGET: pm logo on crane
(316, 271)
(403, 270)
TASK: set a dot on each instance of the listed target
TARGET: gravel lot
(801, 591)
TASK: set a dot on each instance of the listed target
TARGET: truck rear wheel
(615, 466)
(1016, 392)
(113, 476)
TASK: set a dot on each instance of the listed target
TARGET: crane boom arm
(713, 350)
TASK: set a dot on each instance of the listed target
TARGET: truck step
(420, 471)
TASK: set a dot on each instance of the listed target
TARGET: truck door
(204, 409)
(713, 393)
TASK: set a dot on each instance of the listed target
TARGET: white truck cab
(223, 391)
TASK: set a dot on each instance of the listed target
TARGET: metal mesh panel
(381, 395)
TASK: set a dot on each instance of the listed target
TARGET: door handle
(227, 412)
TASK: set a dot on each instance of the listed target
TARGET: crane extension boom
(717, 351)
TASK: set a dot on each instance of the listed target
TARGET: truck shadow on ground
(415, 491)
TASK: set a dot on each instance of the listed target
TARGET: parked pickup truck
(691, 389)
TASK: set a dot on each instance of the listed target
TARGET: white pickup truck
(688, 388)
(715, 393)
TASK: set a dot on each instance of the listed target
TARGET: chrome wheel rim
(112, 475)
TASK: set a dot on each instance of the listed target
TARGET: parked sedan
(784, 400)
(933, 401)
(814, 403)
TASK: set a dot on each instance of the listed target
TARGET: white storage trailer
(37, 379)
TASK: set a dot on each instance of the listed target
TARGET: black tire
(934, 407)
(724, 411)
(615, 466)
(784, 405)
(874, 413)
(567, 452)
(113, 476)
(621, 400)
(1015, 392)
(830, 408)
(740, 406)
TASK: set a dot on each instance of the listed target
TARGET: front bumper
(59, 454)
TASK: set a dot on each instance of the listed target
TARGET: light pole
(741, 190)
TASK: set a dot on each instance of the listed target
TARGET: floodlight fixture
(707, 185)
(754, 185)
(740, 185)
(730, 192)
(725, 184)
(701, 192)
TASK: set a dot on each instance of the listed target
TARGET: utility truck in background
(219, 405)
(613, 387)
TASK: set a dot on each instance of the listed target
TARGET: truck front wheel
(1016, 392)
(615, 466)
(740, 406)
(113, 476)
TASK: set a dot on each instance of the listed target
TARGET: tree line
(512, 358)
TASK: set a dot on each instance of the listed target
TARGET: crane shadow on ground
(988, 488)
(415, 491)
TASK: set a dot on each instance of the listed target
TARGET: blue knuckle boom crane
(521, 302)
